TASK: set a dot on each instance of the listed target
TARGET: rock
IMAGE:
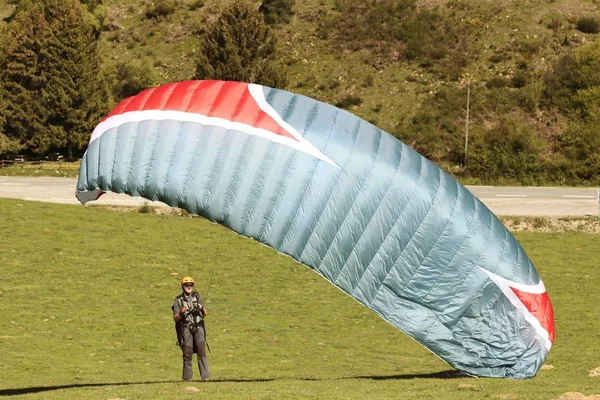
(578, 396)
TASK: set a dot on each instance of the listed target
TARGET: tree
(239, 46)
(55, 91)
(25, 45)
(131, 78)
(277, 11)
(574, 88)
(7, 145)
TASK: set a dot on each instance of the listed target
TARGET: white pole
(467, 122)
(598, 203)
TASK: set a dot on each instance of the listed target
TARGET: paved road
(534, 201)
(58, 190)
(538, 201)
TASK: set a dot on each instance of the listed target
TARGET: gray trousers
(194, 339)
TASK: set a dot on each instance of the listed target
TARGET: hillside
(400, 67)
(509, 30)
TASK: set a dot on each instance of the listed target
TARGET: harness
(194, 311)
(196, 322)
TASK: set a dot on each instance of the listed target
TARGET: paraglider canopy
(344, 198)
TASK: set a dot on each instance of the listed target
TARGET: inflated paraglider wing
(365, 211)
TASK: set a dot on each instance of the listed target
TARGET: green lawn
(85, 296)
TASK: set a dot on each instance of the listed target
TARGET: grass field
(85, 297)
(58, 169)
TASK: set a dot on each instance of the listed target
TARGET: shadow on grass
(38, 389)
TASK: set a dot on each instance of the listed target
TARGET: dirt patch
(554, 225)
(191, 389)
(505, 396)
(146, 208)
(578, 396)
(595, 372)
(468, 386)
(547, 367)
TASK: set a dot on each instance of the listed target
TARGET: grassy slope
(312, 62)
(85, 296)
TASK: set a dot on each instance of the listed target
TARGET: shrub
(554, 24)
(348, 101)
(196, 4)
(368, 82)
(131, 78)
(588, 25)
(160, 9)
(510, 150)
(277, 11)
(497, 82)
(529, 47)
(497, 57)
(146, 208)
(518, 80)
(539, 222)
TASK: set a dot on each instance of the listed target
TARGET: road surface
(518, 201)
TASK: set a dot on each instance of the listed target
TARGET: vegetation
(239, 46)
(52, 83)
(131, 77)
(588, 25)
(405, 65)
(277, 11)
(92, 302)
(54, 168)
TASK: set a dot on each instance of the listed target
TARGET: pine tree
(240, 46)
(23, 78)
(54, 88)
(77, 94)
(277, 11)
(7, 145)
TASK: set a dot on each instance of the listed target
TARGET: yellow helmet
(187, 279)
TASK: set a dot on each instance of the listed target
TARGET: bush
(196, 4)
(497, 57)
(348, 101)
(368, 82)
(437, 129)
(497, 82)
(146, 208)
(554, 24)
(277, 11)
(572, 73)
(529, 96)
(580, 146)
(529, 47)
(518, 80)
(131, 78)
(511, 150)
(588, 25)
(161, 9)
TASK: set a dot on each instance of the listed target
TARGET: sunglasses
(188, 285)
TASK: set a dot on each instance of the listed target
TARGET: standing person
(188, 313)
